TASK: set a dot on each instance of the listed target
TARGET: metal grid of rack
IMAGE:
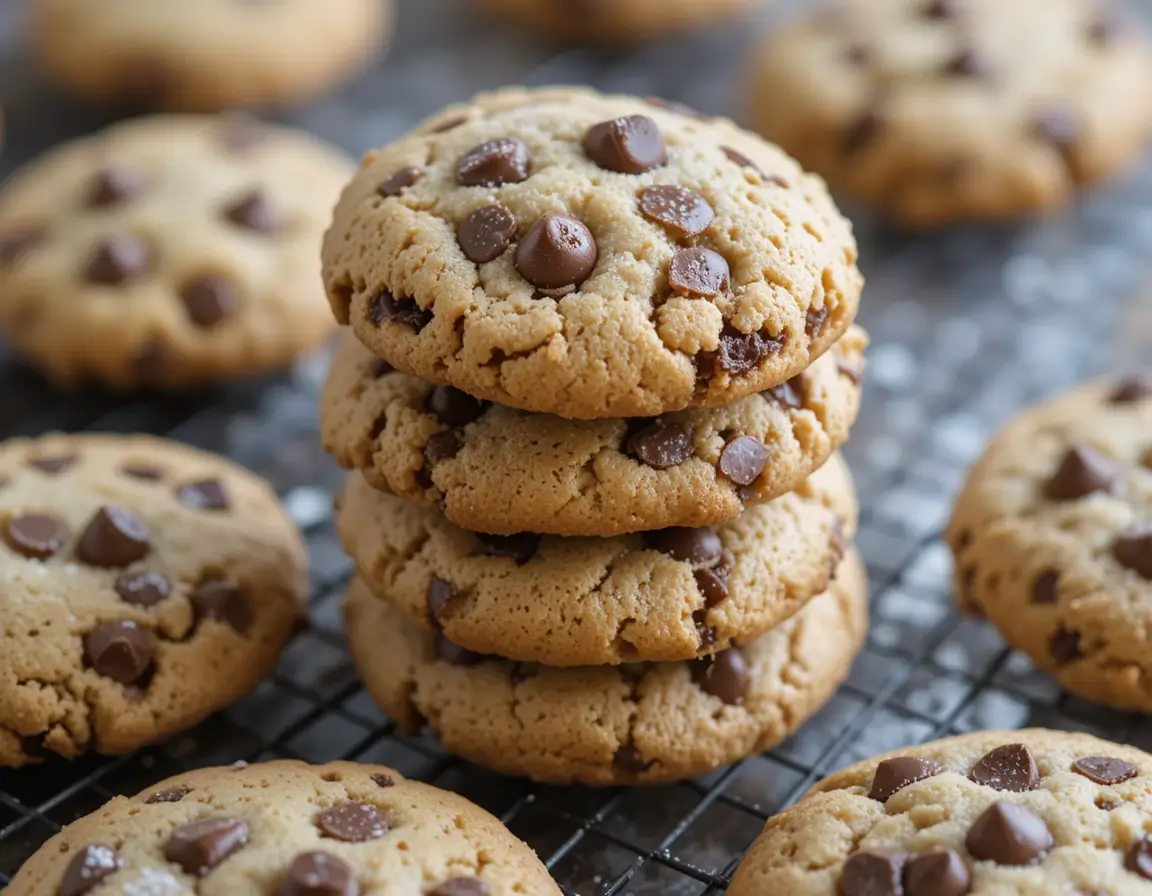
(966, 326)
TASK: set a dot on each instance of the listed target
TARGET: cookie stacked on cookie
(601, 359)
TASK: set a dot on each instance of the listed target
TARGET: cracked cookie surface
(633, 724)
(145, 585)
(289, 828)
(614, 21)
(168, 251)
(1052, 536)
(996, 813)
(673, 594)
(590, 256)
(510, 471)
(928, 110)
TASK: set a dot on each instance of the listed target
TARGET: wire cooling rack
(966, 326)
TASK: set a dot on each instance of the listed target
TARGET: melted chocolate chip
(36, 536)
(713, 583)
(792, 394)
(1064, 646)
(1058, 126)
(254, 211)
(398, 182)
(319, 874)
(386, 307)
(442, 446)
(455, 655)
(209, 299)
(142, 589)
(449, 124)
(675, 106)
(1138, 858)
(724, 675)
(1081, 472)
(495, 163)
(117, 259)
(743, 459)
(18, 243)
(557, 253)
(379, 367)
(629, 145)
(204, 494)
(1132, 549)
(1046, 588)
(893, 775)
(699, 272)
(738, 353)
(53, 464)
(87, 870)
(661, 445)
(864, 130)
(946, 9)
(202, 845)
(224, 601)
(627, 761)
(521, 547)
(171, 795)
(1008, 834)
(1010, 767)
(487, 233)
(740, 159)
(873, 872)
(1135, 388)
(462, 886)
(114, 538)
(384, 780)
(114, 185)
(1105, 769)
(941, 872)
(143, 472)
(453, 407)
(700, 547)
(814, 320)
(684, 211)
(352, 822)
(970, 63)
(440, 593)
(121, 651)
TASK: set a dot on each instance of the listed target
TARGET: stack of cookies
(601, 359)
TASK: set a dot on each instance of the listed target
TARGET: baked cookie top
(600, 725)
(146, 585)
(495, 469)
(613, 21)
(168, 250)
(929, 110)
(673, 594)
(997, 812)
(288, 828)
(590, 256)
(1053, 538)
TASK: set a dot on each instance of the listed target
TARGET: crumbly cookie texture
(673, 594)
(205, 56)
(1010, 813)
(167, 251)
(145, 585)
(928, 110)
(634, 724)
(289, 828)
(615, 21)
(1053, 538)
(495, 469)
(590, 256)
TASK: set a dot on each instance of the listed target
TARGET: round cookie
(674, 594)
(1030, 812)
(927, 109)
(146, 585)
(168, 251)
(496, 469)
(288, 828)
(590, 256)
(1053, 538)
(205, 56)
(600, 725)
(615, 21)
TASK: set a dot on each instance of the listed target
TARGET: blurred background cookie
(616, 20)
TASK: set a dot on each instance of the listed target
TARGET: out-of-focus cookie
(145, 585)
(208, 55)
(291, 829)
(929, 111)
(616, 21)
(633, 724)
(167, 251)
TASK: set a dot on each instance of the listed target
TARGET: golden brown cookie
(616, 21)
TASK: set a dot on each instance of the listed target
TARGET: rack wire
(967, 326)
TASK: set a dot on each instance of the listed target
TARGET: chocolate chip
(1058, 126)
(117, 259)
(893, 775)
(386, 307)
(793, 394)
(661, 445)
(873, 872)
(852, 369)
(740, 159)
(319, 874)
(700, 547)
(558, 252)
(462, 886)
(171, 795)
(858, 55)
(628, 761)
(1046, 588)
(738, 352)
(142, 589)
(114, 537)
(453, 407)
(1064, 646)
(521, 547)
(442, 446)
(494, 163)
(18, 243)
(121, 651)
(487, 233)
(941, 872)
(224, 601)
(53, 464)
(1081, 472)
(113, 185)
(1105, 769)
(209, 299)
(88, 868)
(253, 211)
(1138, 858)
(713, 583)
(36, 535)
(683, 210)
(204, 494)
(378, 368)
(814, 320)
(629, 145)
(724, 675)
(449, 124)
(945, 9)
(455, 655)
(864, 130)
(384, 780)
(151, 357)
(202, 845)
(352, 822)
(1009, 767)
(1106, 28)
(398, 182)
(145, 472)
(699, 272)
(440, 593)
(743, 460)
(1132, 389)
(970, 63)
(1008, 834)
(675, 106)
(1132, 549)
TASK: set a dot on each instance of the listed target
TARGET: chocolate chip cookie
(590, 256)
(146, 585)
(927, 109)
(1053, 538)
(205, 56)
(672, 594)
(496, 469)
(1005, 812)
(632, 724)
(288, 828)
(615, 21)
(168, 251)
